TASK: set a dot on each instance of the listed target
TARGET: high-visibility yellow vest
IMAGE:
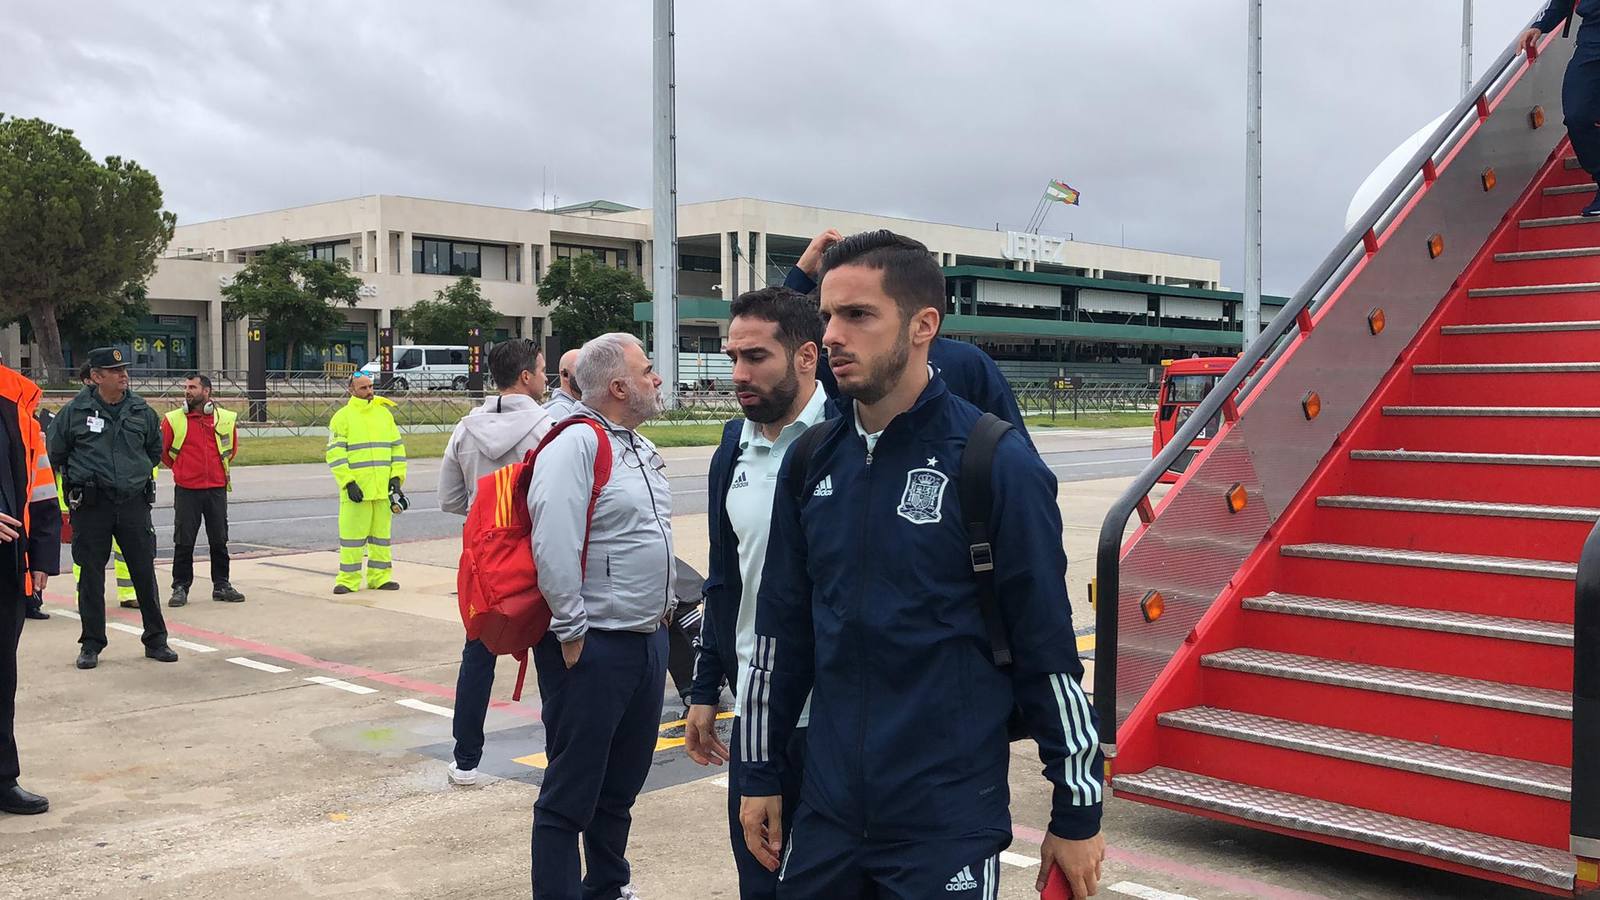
(225, 422)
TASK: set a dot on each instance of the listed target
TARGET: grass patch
(274, 451)
(699, 435)
(1092, 420)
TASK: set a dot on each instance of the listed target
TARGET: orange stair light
(1152, 606)
(1488, 179)
(1238, 498)
(1311, 405)
(1536, 117)
(1435, 246)
(1376, 321)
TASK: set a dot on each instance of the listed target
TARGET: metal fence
(301, 403)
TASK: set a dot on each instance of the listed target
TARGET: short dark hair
(205, 380)
(910, 274)
(83, 372)
(794, 313)
(509, 359)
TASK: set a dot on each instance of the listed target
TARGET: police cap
(107, 358)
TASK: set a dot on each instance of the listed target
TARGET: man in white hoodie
(496, 434)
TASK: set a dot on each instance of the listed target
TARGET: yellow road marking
(1086, 642)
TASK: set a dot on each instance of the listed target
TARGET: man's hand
(353, 491)
(811, 260)
(762, 818)
(571, 650)
(10, 529)
(700, 736)
(1079, 861)
(1528, 38)
(40, 579)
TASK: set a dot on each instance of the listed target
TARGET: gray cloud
(954, 112)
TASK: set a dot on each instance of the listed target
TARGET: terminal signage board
(1035, 248)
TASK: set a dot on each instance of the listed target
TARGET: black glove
(394, 484)
(353, 491)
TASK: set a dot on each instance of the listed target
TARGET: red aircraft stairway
(1353, 619)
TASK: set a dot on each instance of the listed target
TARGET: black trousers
(12, 608)
(1580, 104)
(189, 507)
(93, 527)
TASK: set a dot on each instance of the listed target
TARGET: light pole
(664, 228)
(1252, 180)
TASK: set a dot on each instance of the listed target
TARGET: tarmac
(298, 750)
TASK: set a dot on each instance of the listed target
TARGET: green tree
(590, 298)
(294, 298)
(73, 231)
(89, 322)
(447, 317)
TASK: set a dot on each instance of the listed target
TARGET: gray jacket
(628, 583)
(496, 434)
(561, 404)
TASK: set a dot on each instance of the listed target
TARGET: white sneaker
(628, 893)
(462, 776)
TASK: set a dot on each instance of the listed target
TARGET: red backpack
(497, 582)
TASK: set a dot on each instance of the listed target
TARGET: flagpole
(1252, 180)
(1466, 46)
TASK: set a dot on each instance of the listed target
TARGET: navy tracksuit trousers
(601, 720)
(1580, 102)
(755, 882)
(824, 860)
(474, 683)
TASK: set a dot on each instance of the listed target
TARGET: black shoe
(88, 659)
(162, 653)
(341, 589)
(35, 613)
(19, 802)
(226, 593)
(1593, 209)
(180, 597)
(129, 604)
(389, 586)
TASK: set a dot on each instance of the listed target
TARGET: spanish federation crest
(924, 496)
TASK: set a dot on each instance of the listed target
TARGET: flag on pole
(1061, 192)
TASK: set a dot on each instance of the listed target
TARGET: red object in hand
(66, 527)
(1056, 887)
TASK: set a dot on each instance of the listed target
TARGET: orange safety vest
(36, 460)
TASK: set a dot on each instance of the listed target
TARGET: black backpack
(977, 501)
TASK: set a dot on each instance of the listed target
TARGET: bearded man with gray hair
(602, 666)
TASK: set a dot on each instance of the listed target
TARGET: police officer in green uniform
(104, 443)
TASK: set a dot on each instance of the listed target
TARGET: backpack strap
(801, 451)
(977, 503)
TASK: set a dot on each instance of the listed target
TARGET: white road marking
(1100, 462)
(341, 685)
(190, 645)
(1017, 859)
(69, 613)
(720, 781)
(259, 666)
(122, 626)
(1133, 889)
(422, 706)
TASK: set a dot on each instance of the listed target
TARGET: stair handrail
(1586, 702)
(1413, 177)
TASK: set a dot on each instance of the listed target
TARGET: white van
(425, 367)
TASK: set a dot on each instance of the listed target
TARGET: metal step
(1564, 253)
(1429, 559)
(1535, 412)
(1564, 189)
(1522, 327)
(1519, 775)
(1528, 862)
(1552, 221)
(1400, 682)
(1551, 368)
(1583, 287)
(1488, 459)
(1530, 631)
(1462, 508)
(1571, 162)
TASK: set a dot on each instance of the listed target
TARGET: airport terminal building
(1039, 304)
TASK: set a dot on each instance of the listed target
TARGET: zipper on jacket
(862, 568)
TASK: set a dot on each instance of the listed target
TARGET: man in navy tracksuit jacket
(970, 373)
(869, 604)
(1580, 90)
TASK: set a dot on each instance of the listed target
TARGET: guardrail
(1291, 323)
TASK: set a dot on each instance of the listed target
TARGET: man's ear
(924, 326)
(805, 358)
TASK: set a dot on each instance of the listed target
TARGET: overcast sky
(937, 110)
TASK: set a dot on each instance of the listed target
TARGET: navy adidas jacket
(967, 371)
(869, 604)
